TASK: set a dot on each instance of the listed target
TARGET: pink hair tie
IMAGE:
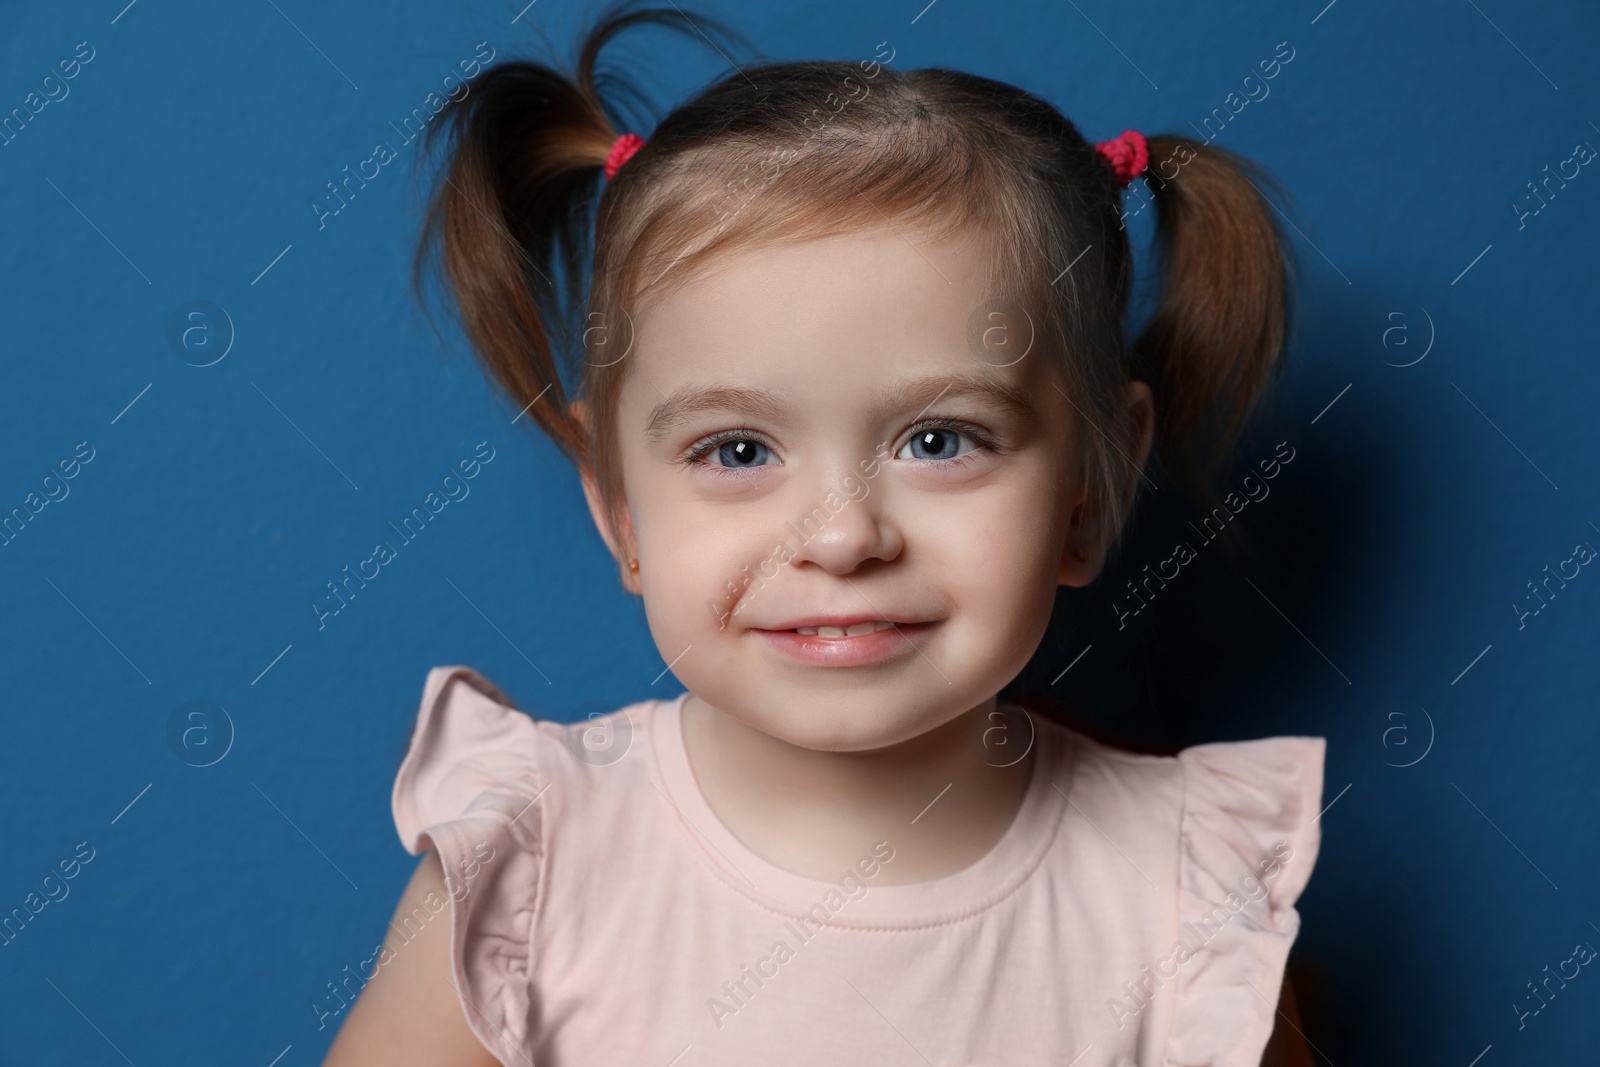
(621, 151)
(1128, 155)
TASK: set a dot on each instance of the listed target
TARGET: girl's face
(811, 445)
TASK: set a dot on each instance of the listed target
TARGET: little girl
(850, 399)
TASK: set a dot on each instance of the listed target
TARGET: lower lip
(859, 651)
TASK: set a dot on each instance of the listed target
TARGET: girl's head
(850, 352)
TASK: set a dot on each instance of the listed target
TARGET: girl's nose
(844, 525)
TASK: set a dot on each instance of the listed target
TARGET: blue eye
(936, 443)
(741, 453)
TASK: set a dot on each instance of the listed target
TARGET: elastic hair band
(622, 149)
(1128, 155)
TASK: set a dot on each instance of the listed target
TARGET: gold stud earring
(633, 566)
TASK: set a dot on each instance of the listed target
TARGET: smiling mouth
(857, 630)
(861, 643)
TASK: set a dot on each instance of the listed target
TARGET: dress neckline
(974, 888)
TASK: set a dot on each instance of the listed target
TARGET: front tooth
(830, 631)
(807, 631)
(860, 628)
(883, 626)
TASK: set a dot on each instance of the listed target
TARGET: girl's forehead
(877, 290)
(906, 255)
(834, 328)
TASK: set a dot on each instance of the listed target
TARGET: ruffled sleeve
(1247, 845)
(470, 785)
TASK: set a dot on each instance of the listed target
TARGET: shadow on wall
(1177, 629)
(1182, 633)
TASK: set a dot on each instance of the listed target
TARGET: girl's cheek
(714, 483)
(1002, 540)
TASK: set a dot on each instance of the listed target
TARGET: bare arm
(408, 1013)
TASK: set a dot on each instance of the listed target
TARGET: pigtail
(1216, 338)
(511, 221)
(522, 145)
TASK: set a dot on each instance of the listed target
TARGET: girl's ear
(1088, 539)
(620, 546)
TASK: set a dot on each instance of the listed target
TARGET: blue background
(1374, 610)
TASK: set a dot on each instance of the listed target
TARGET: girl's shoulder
(1236, 808)
(1221, 792)
(474, 753)
(1249, 838)
(485, 783)
(1229, 832)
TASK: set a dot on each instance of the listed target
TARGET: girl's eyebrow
(689, 401)
(923, 393)
(683, 404)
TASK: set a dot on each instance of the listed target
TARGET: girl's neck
(935, 798)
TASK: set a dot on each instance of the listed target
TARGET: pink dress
(1138, 911)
